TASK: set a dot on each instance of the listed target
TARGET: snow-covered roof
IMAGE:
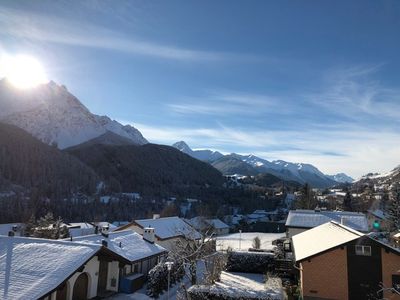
(111, 227)
(302, 218)
(31, 268)
(83, 225)
(217, 223)
(321, 238)
(126, 243)
(378, 213)
(201, 223)
(170, 227)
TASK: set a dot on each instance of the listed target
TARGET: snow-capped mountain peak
(53, 115)
(200, 154)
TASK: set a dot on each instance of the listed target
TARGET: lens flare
(23, 71)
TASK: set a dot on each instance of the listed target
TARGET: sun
(23, 71)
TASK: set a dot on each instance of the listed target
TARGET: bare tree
(189, 249)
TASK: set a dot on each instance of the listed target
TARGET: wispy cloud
(46, 28)
(350, 149)
(353, 92)
(227, 103)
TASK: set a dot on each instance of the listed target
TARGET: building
(337, 262)
(17, 229)
(168, 231)
(32, 268)
(301, 220)
(210, 226)
(141, 252)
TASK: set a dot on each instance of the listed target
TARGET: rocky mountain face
(56, 117)
(251, 165)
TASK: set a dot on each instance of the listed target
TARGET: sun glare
(23, 71)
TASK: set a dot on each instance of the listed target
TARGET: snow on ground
(244, 286)
(245, 240)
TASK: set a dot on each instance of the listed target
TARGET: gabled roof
(201, 223)
(302, 218)
(217, 223)
(322, 238)
(166, 228)
(31, 268)
(127, 244)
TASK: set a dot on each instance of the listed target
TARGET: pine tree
(307, 199)
(347, 202)
(394, 209)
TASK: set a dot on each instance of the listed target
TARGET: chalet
(168, 231)
(213, 226)
(141, 253)
(338, 262)
(56, 270)
(301, 220)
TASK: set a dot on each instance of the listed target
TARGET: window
(396, 282)
(363, 250)
(135, 268)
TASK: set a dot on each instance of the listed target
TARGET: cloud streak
(45, 28)
(227, 103)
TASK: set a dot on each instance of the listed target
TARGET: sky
(302, 81)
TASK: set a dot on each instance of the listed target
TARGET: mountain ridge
(251, 165)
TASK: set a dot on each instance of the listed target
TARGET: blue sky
(303, 81)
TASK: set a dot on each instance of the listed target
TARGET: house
(32, 268)
(211, 226)
(141, 253)
(86, 228)
(17, 229)
(338, 262)
(79, 229)
(168, 231)
(301, 220)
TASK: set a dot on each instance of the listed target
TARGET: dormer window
(363, 250)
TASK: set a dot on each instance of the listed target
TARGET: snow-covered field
(245, 240)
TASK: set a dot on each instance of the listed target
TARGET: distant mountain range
(251, 165)
(56, 117)
(53, 115)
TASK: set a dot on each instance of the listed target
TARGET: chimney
(104, 243)
(343, 220)
(156, 216)
(105, 229)
(149, 235)
(11, 233)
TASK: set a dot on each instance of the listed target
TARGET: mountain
(31, 164)
(149, 169)
(341, 178)
(230, 165)
(252, 165)
(56, 117)
(204, 155)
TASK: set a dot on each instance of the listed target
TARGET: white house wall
(113, 273)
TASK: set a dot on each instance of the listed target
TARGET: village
(285, 253)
